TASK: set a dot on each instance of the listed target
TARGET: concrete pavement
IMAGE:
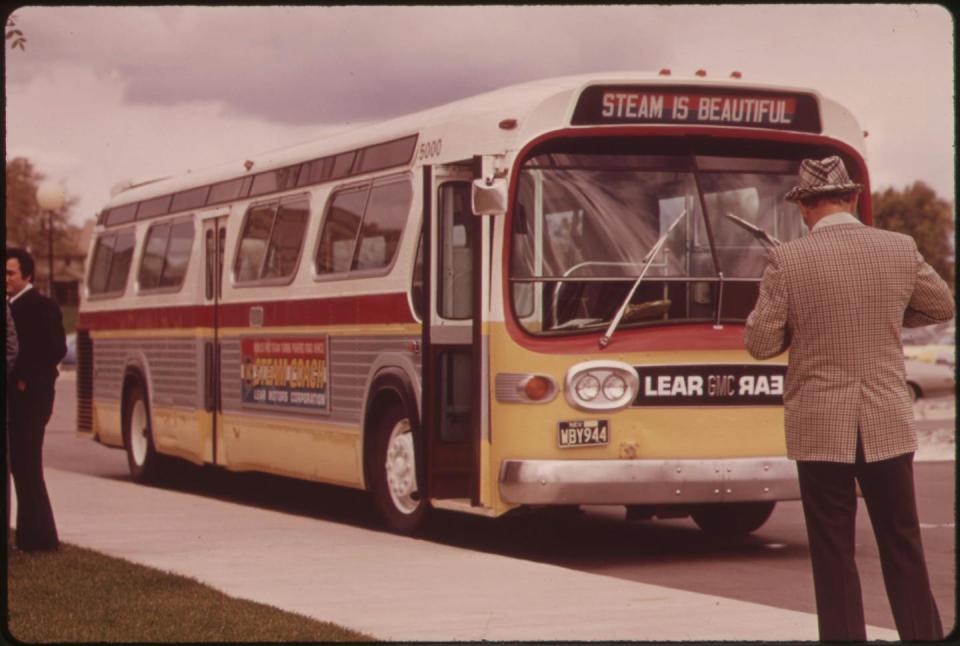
(391, 587)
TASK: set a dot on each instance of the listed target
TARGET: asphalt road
(771, 566)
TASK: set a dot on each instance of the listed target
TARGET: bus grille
(84, 382)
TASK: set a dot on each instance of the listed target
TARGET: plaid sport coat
(838, 298)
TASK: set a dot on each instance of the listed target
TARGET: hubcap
(401, 468)
(138, 433)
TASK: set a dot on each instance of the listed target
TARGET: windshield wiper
(757, 232)
(647, 260)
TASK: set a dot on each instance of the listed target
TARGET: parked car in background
(70, 360)
(931, 344)
(929, 379)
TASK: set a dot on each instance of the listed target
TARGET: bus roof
(538, 106)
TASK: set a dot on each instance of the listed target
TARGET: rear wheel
(914, 391)
(732, 519)
(393, 472)
(142, 457)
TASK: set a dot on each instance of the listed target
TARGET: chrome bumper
(637, 482)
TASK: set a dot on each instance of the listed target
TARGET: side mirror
(489, 197)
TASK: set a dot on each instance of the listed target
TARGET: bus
(529, 298)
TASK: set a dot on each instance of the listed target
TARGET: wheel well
(390, 388)
(130, 379)
(382, 400)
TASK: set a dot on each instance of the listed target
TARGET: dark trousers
(29, 413)
(828, 493)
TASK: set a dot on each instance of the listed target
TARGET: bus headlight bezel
(617, 385)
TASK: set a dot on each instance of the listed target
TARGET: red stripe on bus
(347, 310)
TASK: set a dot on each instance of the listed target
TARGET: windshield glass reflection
(583, 224)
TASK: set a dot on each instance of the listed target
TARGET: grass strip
(78, 595)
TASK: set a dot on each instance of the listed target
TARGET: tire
(142, 458)
(732, 519)
(915, 392)
(393, 473)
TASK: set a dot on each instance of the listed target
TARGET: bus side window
(253, 242)
(211, 263)
(455, 251)
(100, 267)
(383, 222)
(178, 254)
(339, 236)
(288, 230)
(166, 254)
(154, 249)
(416, 283)
(111, 263)
(271, 240)
(363, 227)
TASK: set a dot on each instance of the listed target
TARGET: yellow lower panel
(183, 433)
(107, 426)
(306, 449)
(522, 431)
(530, 431)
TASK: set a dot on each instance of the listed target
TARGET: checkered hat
(820, 178)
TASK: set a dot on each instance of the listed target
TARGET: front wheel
(393, 473)
(732, 519)
(142, 457)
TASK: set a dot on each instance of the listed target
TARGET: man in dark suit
(30, 393)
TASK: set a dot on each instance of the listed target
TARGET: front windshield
(584, 222)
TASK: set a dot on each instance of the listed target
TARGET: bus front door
(214, 240)
(450, 364)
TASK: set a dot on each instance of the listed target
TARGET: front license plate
(594, 432)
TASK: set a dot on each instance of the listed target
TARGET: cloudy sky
(104, 94)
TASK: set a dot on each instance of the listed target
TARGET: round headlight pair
(601, 385)
(588, 387)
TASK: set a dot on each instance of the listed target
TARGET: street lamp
(50, 199)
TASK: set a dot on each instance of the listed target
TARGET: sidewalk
(391, 587)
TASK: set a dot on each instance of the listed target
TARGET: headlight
(601, 385)
(614, 387)
(587, 387)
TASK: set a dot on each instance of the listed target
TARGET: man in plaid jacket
(838, 298)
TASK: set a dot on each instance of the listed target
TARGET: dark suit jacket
(43, 343)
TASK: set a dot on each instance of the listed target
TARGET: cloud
(304, 64)
(93, 140)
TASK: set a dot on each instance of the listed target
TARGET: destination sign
(599, 105)
(711, 385)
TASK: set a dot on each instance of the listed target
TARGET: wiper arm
(647, 260)
(757, 232)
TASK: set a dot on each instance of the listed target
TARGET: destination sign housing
(675, 105)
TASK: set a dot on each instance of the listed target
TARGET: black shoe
(31, 550)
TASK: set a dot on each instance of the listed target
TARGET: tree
(928, 219)
(26, 223)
